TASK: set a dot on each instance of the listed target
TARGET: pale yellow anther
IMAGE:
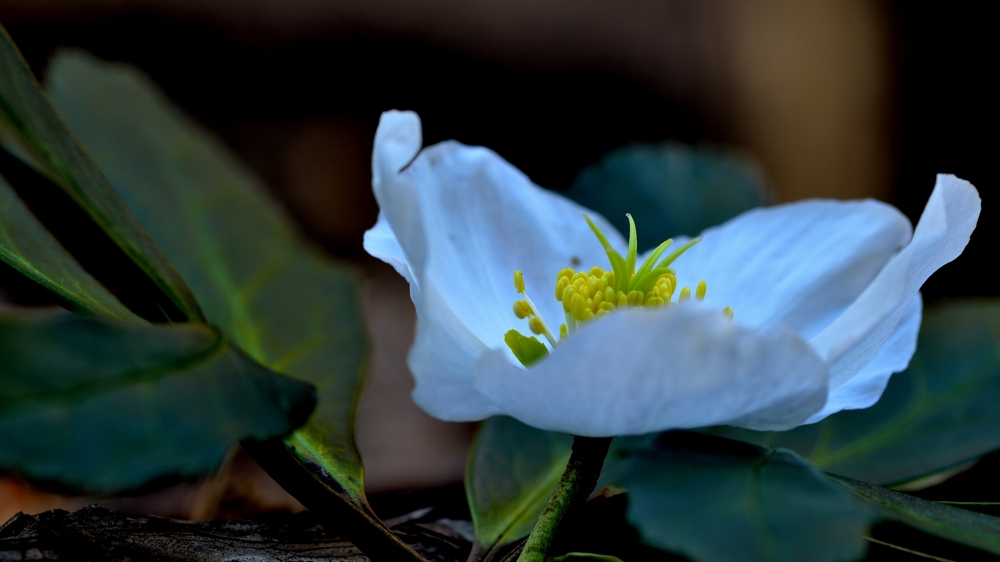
(685, 294)
(519, 281)
(699, 293)
(728, 313)
(536, 325)
(596, 271)
(522, 309)
(560, 287)
(566, 272)
(576, 305)
(563, 331)
(622, 298)
(567, 296)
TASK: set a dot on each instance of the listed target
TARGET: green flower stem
(573, 490)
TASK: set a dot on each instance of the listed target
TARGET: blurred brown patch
(327, 180)
(402, 447)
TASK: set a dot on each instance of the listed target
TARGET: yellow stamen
(519, 281)
(728, 313)
(598, 292)
(522, 309)
(527, 309)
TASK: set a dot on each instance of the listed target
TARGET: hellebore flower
(810, 306)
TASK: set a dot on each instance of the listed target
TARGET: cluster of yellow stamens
(595, 293)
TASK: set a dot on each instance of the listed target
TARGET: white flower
(825, 295)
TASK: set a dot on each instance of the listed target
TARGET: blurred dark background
(835, 98)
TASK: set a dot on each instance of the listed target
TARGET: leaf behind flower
(272, 292)
(669, 189)
(512, 471)
(32, 130)
(716, 499)
(104, 407)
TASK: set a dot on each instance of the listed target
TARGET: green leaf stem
(953, 523)
(512, 471)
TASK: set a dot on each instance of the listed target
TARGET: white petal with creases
(637, 371)
(854, 339)
(795, 266)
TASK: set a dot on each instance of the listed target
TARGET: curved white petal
(854, 339)
(638, 371)
(483, 219)
(795, 266)
(456, 222)
(397, 142)
(441, 360)
(380, 241)
(865, 388)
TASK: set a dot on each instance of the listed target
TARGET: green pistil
(627, 279)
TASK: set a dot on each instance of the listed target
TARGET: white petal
(796, 266)
(483, 219)
(381, 242)
(639, 370)
(865, 388)
(944, 229)
(457, 222)
(397, 142)
(441, 361)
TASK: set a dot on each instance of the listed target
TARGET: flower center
(595, 293)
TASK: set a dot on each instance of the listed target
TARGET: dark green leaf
(512, 471)
(939, 413)
(30, 128)
(270, 291)
(959, 525)
(105, 407)
(32, 250)
(715, 499)
(669, 189)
